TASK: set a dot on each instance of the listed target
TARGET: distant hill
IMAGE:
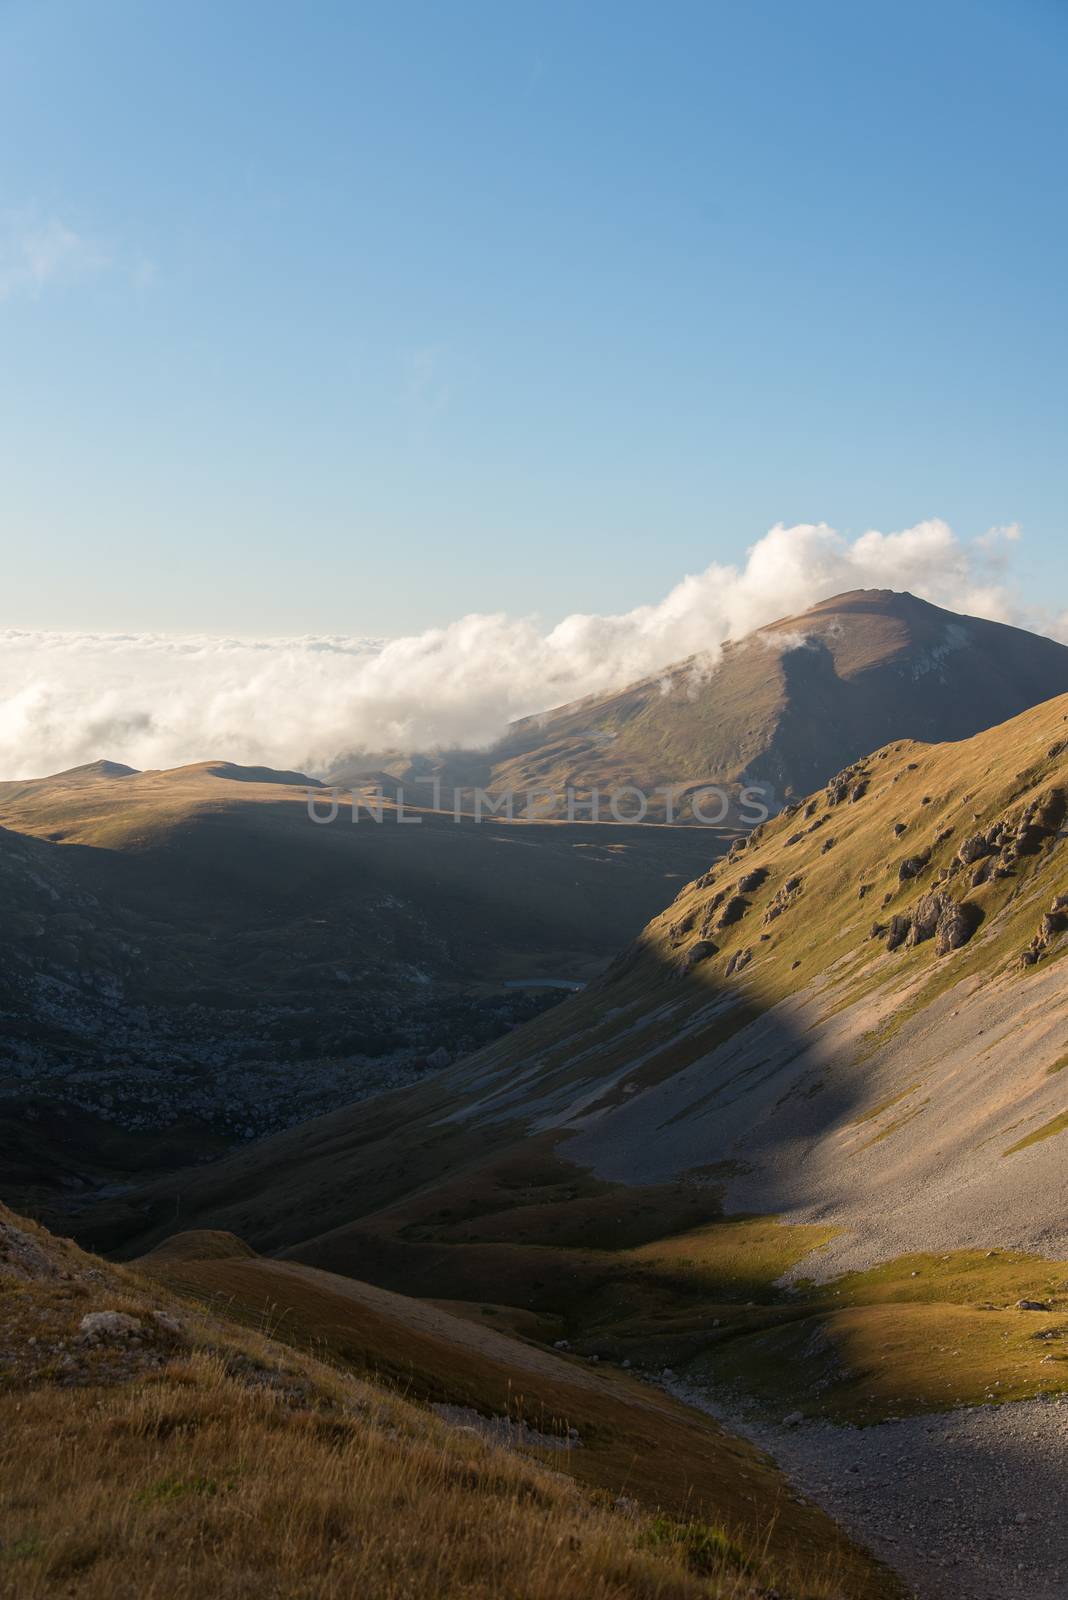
(787, 706)
(186, 959)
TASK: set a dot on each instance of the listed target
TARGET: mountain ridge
(785, 707)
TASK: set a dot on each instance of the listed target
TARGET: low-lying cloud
(158, 701)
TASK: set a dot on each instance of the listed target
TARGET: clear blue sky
(354, 317)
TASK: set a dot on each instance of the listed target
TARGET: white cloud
(36, 253)
(156, 701)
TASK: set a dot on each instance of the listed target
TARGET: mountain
(794, 1159)
(371, 1445)
(186, 959)
(785, 707)
(839, 1056)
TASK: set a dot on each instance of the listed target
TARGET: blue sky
(355, 318)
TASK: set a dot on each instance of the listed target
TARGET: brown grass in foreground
(192, 1485)
(201, 1461)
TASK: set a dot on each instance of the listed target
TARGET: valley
(794, 1156)
(784, 1168)
(187, 961)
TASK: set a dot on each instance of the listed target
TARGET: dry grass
(193, 1484)
(207, 1459)
(663, 1456)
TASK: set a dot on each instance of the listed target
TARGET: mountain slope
(787, 706)
(148, 1445)
(762, 1016)
(798, 1157)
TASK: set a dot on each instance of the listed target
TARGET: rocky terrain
(186, 960)
(960, 1504)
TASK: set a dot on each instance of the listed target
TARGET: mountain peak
(793, 702)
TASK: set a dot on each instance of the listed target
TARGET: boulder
(898, 931)
(1051, 810)
(697, 953)
(109, 1327)
(973, 849)
(733, 911)
(956, 924)
(925, 918)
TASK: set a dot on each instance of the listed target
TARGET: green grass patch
(884, 1105)
(179, 1488)
(897, 1124)
(1047, 1131)
(705, 1549)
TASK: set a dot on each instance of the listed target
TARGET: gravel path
(965, 1505)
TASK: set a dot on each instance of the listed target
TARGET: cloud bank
(158, 701)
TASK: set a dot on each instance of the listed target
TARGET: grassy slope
(470, 1207)
(210, 1457)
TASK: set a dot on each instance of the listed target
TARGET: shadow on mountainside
(611, 1123)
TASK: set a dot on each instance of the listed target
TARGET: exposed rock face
(938, 916)
(752, 880)
(973, 849)
(734, 910)
(1052, 810)
(701, 951)
(783, 900)
(925, 918)
(912, 866)
(739, 960)
(851, 784)
(956, 924)
(898, 931)
(21, 1257)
